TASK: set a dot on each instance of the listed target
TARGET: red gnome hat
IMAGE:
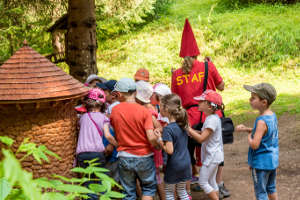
(189, 45)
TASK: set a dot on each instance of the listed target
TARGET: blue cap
(125, 85)
(108, 85)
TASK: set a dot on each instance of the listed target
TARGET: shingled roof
(28, 77)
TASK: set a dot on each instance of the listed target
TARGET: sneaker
(194, 179)
(221, 196)
(222, 190)
(190, 197)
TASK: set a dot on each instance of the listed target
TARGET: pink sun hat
(211, 96)
(97, 94)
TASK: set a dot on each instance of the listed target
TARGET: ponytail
(172, 104)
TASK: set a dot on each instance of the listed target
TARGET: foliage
(119, 16)
(240, 3)
(16, 183)
(28, 20)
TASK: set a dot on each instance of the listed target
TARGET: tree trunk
(81, 41)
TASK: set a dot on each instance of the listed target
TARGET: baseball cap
(264, 91)
(80, 108)
(162, 89)
(97, 94)
(142, 75)
(211, 96)
(144, 91)
(108, 85)
(125, 85)
(92, 77)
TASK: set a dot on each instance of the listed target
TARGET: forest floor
(237, 176)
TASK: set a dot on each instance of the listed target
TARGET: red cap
(189, 45)
(211, 96)
(142, 75)
(81, 108)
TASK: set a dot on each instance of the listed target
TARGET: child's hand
(157, 133)
(242, 128)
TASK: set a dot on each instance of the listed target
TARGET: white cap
(144, 91)
(92, 77)
(162, 89)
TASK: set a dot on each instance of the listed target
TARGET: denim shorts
(133, 168)
(264, 183)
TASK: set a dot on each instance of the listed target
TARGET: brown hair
(91, 103)
(187, 64)
(172, 104)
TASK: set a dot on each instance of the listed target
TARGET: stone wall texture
(52, 124)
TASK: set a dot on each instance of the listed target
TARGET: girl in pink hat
(93, 125)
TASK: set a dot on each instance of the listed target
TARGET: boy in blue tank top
(263, 155)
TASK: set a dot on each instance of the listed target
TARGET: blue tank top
(266, 157)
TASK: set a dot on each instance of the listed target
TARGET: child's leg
(260, 179)
(271, 186)
(160, 185)
(181, 191)
(169, 189)
(207, 180)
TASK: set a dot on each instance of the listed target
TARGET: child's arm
(200, 136)
(243, 128)
(157, 125)
(261, 129)
(167, 146)
(111, 139)
(152, 138)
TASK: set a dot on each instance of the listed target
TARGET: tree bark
(81, 41)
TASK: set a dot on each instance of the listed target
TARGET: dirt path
(237, 176)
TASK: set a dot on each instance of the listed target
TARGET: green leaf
(62, 178)
(98, 169)
(54, 195)
(97, 188)
(81, 170)
(114, 194)
(5, 188)
(44, 183)
(104, 197)
(6, 140)
(73, 188)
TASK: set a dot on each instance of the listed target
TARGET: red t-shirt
(130, 122)
(187, 86)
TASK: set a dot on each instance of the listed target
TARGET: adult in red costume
(188, 80)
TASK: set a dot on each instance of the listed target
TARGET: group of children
(137, 131)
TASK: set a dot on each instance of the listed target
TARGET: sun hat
(264, 91)
(144, 91)
(92, 77)
(162, 89)
(96, 94)
(212, 96)
(125, 85)
(141, 75)
(108, 85)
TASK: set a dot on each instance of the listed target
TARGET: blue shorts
(264, 183)
(143, 169)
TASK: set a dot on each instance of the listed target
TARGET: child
(92, 80)
(263, 155)
(211, 138)
(92, 126)
(134, 132)
(174, 143)
(144, 92)
(142, 75)
(111, 97)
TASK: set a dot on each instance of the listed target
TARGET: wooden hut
(37, 102)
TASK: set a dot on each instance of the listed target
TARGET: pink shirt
(89, 139)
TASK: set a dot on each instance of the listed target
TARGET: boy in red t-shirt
(134, 132)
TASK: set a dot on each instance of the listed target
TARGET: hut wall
(52, 124)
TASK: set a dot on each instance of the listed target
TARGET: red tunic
(190, 85)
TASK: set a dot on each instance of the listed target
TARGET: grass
(257, 43)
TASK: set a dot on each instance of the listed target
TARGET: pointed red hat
(189, 45)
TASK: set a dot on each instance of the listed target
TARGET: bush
(16, 183)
